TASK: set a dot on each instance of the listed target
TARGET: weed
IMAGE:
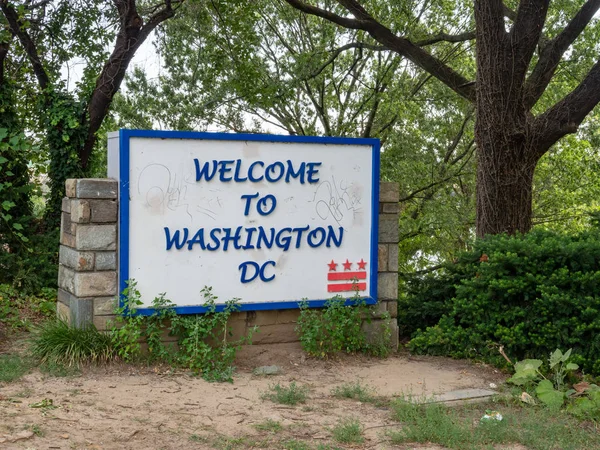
(269, 425)
(354, 391)
(36, 429)
(58, 369)
(203, 344)
(348, 431)
(56, 342)
(12, 367)
(196, 438)
(294, 444)
(460, 427)
(338, 328)
(291, 395)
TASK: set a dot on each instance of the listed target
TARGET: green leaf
(555, 358)
(572, 366)
(7, 205)
(3, 160)
(548, 395)
(17, 226)
(525, 371)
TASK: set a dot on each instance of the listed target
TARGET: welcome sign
(269, 220)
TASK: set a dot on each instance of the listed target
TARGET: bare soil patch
(125, 407)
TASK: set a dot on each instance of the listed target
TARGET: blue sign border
(124, 167)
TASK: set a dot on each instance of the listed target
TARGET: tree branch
(525, 35)
(552, 53)
(388, 39)
(565, 116)
(131, 36)
(444, 37)
(337, 52)
(18, 30)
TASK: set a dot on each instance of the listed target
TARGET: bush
(530, 294)
(57, 343)
(18, 310)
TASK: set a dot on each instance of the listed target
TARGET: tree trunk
(504, 187)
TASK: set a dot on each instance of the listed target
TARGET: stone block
(96, 237)
(237, 328)
(261, 318)
(237, 316)
(64, 297)
(63, 312)
(95, 284)
(392, 308)
(76, 260)
(106, 261)
(66, 279)
(97, 188)
(80, 211)
(382, 258)
(82, 312)
(391, 208)
(104, 306)
(65, 222)
(388, 229)
(71, 187)
(387, 286)
(103, 211)
(66, 205)
(375, 329)
(378, 310)
(288, 315)
(67, 239)
(393, 258)
(104, 323)
(389, 192)
(274, 334)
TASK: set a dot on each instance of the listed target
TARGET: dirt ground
(120, 407)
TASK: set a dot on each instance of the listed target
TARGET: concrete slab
(460, 396)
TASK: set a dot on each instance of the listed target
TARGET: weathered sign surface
(270, 220)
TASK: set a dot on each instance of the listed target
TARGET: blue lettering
(251, 176)
(248, 197)
(204, 171)
(249, 245)
(235, 238)
(332, 237)
(244, 268)
(215, 239)
(262, 237)
(224, 169)
(236, 176)
(262, 205)
(299, 232)
(197, 239)
(285, 241)
(312, 171)
(313, 234)
(271, 170)
(175, 239)
(262, 272)
(291, 174)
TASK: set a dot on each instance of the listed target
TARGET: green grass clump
(354, 391)
(55, 342)
(12, 367)
(348, 431)
(269, 425)
(460, 427)
(290, 395)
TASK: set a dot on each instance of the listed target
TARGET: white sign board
(269, 220)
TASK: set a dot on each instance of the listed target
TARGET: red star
(347, 265)
(362, 264)
(332, 265)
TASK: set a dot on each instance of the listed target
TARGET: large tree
(518, 52)
(50, 35)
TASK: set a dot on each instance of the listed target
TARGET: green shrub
(57, 343)
(530, 294)
(19, 311)
(290, 395)
(204, 342)
(338, 328)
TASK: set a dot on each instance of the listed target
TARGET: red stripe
(346, 287)
(333, 276)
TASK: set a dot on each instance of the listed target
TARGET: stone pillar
(87, 272)
(387, 251)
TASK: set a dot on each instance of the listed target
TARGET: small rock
(267, 370)
(493, 385)
(64, 436)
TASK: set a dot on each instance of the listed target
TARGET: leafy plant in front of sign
(338, 328)
(203, 340)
